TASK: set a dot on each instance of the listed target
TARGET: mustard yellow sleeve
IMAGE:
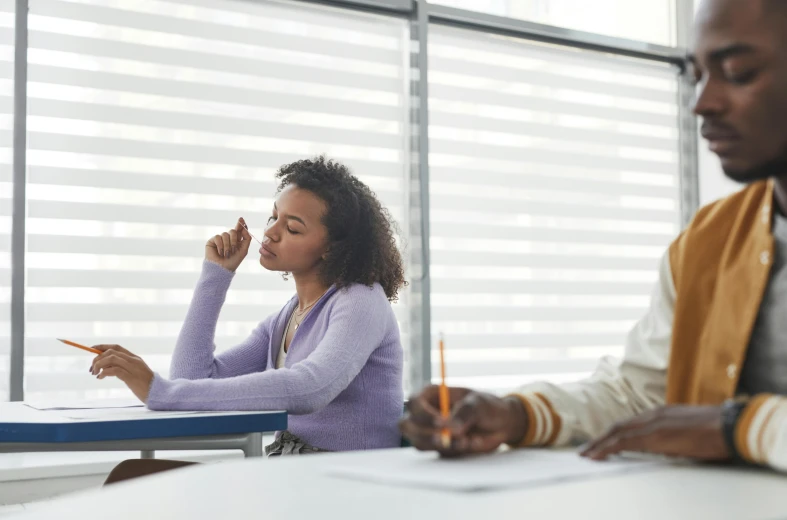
(761, 432)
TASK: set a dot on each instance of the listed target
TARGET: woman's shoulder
(358, 305)
(359, 290)
(360, 294)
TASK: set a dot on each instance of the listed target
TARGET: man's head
(739, 55)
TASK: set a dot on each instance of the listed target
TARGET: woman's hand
(115, 361)
(230, 248)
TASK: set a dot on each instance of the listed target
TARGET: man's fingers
(618, 429)
(421, 408)
(411, 428)
(486, 443)
(422, 438)
(639, 440)
(465, 414)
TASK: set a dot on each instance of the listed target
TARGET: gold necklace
(305, 311)
(297, 323)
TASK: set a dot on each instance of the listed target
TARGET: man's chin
(740, 176)
(747, 174)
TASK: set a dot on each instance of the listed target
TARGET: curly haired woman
(332, 356)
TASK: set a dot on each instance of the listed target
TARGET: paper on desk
(518, 468)
(74, 404)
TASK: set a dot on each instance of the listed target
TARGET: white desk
(23, 429)
(297, 488)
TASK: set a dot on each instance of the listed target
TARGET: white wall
(713, 184)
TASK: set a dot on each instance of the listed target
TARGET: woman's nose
(271, 233)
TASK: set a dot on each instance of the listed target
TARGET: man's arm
(761, 432)
(544, 414)
(577, 412)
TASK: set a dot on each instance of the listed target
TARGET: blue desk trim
(84, 431)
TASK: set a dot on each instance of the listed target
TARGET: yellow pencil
(445, 398)
(77, 345)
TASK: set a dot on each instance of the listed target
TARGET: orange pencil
(77, 345)
(445, 398)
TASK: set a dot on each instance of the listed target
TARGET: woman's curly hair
(361, 233)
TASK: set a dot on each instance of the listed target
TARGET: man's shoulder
(724, 213)
(716, 224)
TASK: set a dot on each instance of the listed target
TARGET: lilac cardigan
(341, 382)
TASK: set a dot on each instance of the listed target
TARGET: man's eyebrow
(734, 49)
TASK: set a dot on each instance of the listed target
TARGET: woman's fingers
(226, 245)
(117, 348)
(234, 241)
(111, 358)
(118, 372)
(218, 244)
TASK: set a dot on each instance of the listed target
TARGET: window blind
(554, 192)
(651, 21)
(7, 14)
(155, 124)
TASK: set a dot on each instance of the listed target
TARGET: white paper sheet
(518, 468)
(74, 404)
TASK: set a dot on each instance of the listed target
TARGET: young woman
(331, 357)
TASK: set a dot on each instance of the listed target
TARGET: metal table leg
(253, 447)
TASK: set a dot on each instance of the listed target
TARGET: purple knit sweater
(341, 382)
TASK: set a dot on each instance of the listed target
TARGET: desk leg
(147, 454)
(253, 446)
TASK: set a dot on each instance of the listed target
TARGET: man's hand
(479, 422)
(679, 431)
(115, 361)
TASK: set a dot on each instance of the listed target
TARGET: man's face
(740, 65)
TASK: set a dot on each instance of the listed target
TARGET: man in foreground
(713, 345)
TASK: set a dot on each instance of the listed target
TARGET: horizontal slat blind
(650, 21)
(7, 13)
(553, 194)
(155, 124)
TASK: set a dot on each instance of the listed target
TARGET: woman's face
(295, 238)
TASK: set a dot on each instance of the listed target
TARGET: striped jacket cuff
(543, 422)
(756, 432)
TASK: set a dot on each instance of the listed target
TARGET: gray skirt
(289, 444)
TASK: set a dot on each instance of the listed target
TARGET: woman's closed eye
(273, 218)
